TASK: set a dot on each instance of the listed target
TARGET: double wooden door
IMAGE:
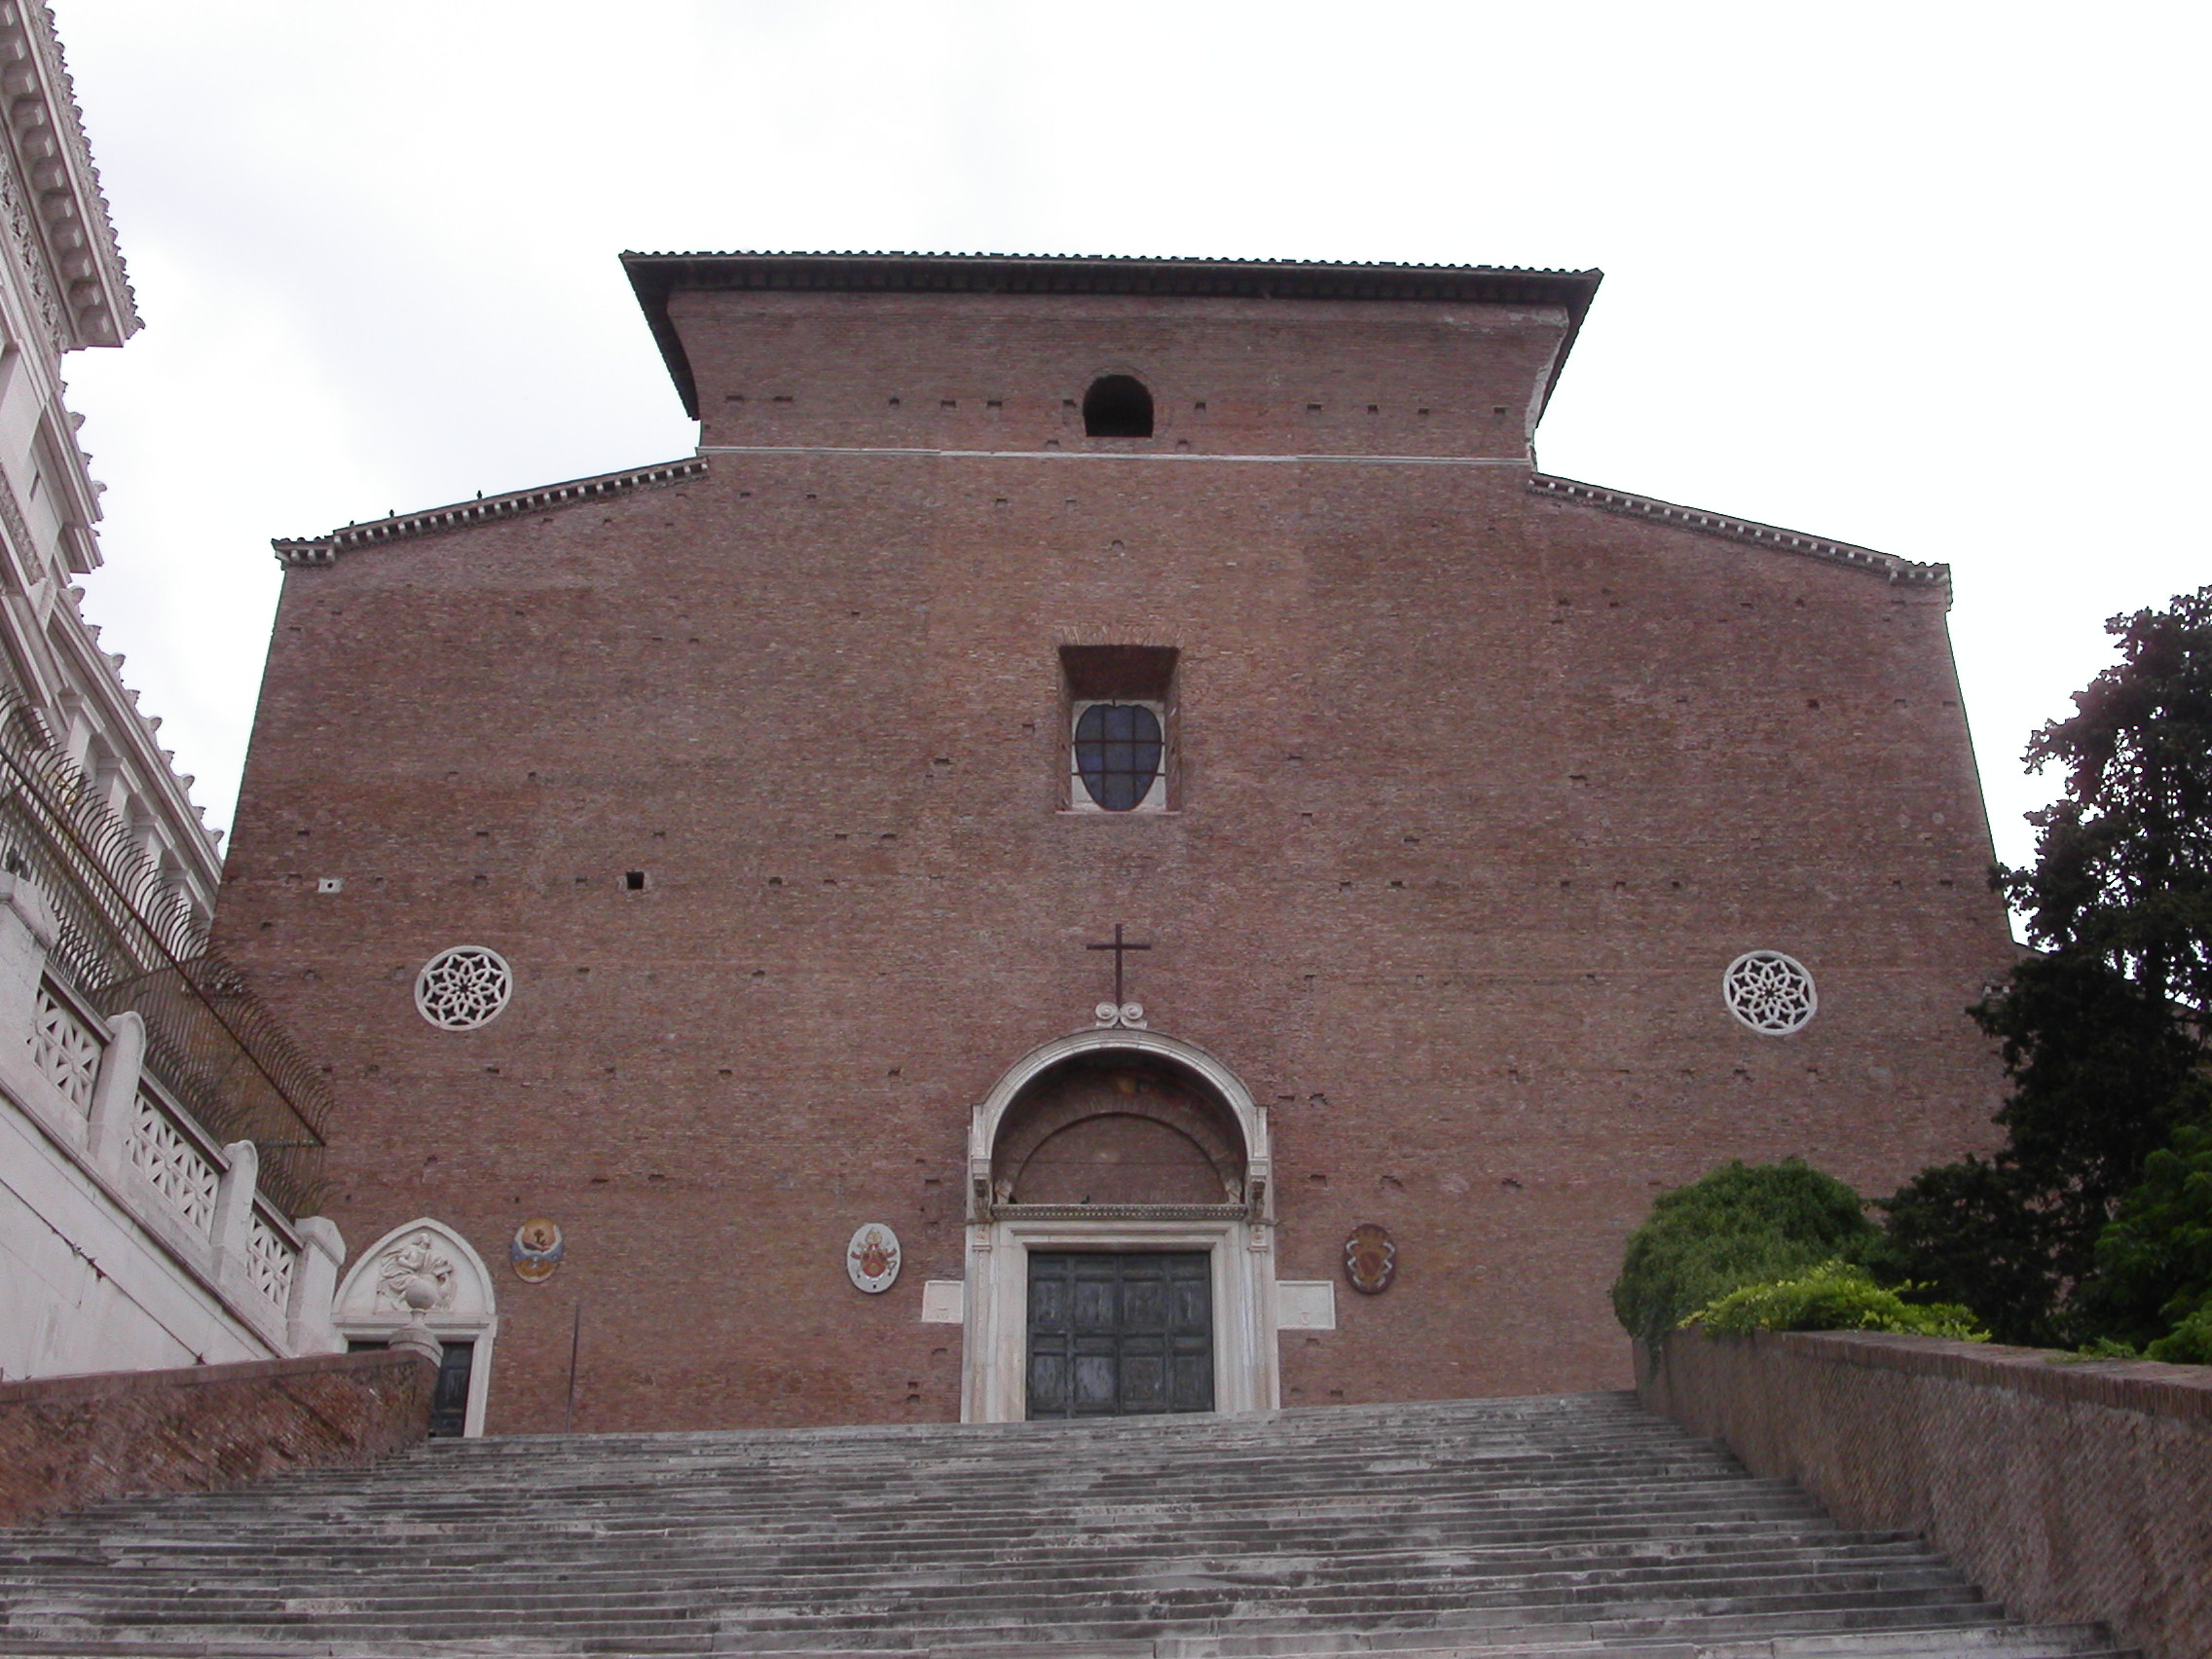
(1120, 1333)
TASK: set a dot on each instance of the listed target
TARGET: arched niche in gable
(368, 1309)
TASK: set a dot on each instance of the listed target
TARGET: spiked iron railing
(128, 939)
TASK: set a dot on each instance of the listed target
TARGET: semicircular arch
(1207, 1071)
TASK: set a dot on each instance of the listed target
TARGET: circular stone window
(463, 988)
(1770, 992)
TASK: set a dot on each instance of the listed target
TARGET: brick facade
(2071, 1490)
(67, 1442)
(1478, 786)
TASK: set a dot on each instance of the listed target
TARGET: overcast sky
(1921, 276)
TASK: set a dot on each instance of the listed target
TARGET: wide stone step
(1753, 1553)
(1504, 1530)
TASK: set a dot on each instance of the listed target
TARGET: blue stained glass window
(1117, 751)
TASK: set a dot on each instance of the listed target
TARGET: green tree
(2100, 1032)
(1743, 1223)
(2155, 1261)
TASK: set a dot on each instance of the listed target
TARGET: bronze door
(1120, 1334)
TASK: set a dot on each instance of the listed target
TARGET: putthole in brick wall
(1770, 992)
(463, 988)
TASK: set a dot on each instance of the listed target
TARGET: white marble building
(130, 1235)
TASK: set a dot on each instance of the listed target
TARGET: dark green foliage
(2100, 1033)
(2155, 1261)
(2101, 1075)
(1743, 1223)
(1970, 1231)
(2123, 862)
(2190, 1343)
(1834, 1296)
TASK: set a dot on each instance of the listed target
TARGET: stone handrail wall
(2069, 1490)
(110, 1135)
(67, 1442)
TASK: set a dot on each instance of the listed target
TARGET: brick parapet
(2071, 1490)
(67, 1442)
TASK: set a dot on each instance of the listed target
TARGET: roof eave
(654, 276)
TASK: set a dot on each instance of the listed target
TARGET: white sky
(1922, 277)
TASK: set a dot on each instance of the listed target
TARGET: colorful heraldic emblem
(872, 1259)
(537, 1250)
(1371, 1258)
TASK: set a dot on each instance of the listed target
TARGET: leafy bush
(1834, 1296)
(2155, 1259)
(1743, 1223)
(2190, 1344)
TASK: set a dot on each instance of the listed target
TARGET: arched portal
(1119, 1168)
(462, 1316)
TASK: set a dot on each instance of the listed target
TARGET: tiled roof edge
(465, 515)
(1899, 573)
(655, 277)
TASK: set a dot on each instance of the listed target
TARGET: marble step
(1501, 1530)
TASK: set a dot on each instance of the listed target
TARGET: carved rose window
(463, 988)
(1769, 992)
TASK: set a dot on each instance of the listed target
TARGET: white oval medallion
(872, 1259)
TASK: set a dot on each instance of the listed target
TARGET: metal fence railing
(127, 938)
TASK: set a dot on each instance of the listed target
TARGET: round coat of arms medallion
(872, 1259)
(535, 1251)
(1371, 1258)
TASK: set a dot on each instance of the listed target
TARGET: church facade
(1107, 844)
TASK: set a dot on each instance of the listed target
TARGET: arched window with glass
(1119, 727)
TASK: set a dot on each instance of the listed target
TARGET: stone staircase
(1492, 1528)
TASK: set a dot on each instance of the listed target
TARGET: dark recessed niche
(632, 881)
(1117, 406)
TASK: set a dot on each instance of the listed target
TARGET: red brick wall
(2070, 1490)
(1479, 793)
(69, 1441)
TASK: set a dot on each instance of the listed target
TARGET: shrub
(1834, 1296)
(2155, 1259)
(2190, 1344)
(1743, 1223)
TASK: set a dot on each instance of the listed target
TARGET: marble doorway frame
(1239, 1241)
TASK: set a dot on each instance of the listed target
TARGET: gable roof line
(654, 276)
(1901, 572)
(465, 515)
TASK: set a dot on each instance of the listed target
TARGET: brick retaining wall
(2071, 1490)
(69, 1441)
